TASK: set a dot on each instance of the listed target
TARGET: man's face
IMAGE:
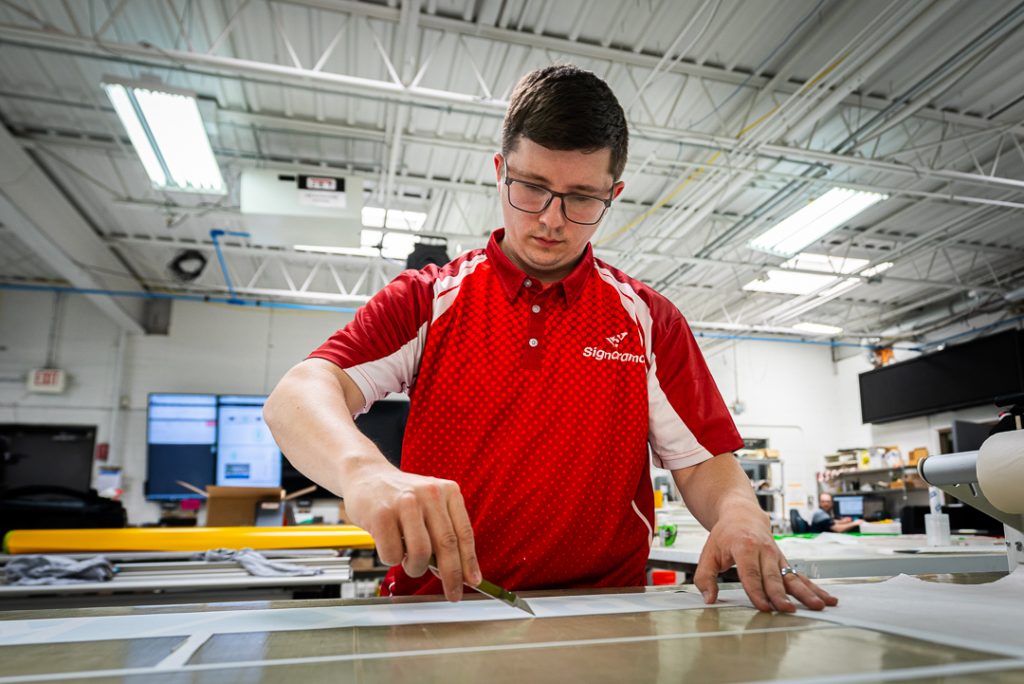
(825, 502)
(546, 246)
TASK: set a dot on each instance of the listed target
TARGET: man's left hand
(744, 539)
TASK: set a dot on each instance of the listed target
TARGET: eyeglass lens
(534, 199)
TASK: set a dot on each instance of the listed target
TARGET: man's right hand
(411, 517)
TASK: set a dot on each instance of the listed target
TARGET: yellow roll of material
(186, 539)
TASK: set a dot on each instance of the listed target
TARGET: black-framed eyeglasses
(534, 199)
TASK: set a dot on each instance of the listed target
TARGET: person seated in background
(824, 519)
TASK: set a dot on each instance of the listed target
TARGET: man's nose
(552, 217)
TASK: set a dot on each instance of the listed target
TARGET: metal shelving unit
(771, 471)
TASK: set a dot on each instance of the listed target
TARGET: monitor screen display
(247, 455)
(206, 439)
(181, 444)
(850, 506)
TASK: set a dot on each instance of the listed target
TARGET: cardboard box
(232, 506)
(247, 506)
(916, 455)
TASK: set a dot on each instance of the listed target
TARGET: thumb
(706, 578)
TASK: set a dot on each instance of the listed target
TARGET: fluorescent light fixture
(807, 261)
(850, 283)
(347, 251)
(814, 221)
(818, 328)
(878, 268)
(378, 217)
(785, 281)
(392, 245)
(167, 132)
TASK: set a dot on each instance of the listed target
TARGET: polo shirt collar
(512, 279)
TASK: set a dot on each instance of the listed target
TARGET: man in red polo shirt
(538, 376)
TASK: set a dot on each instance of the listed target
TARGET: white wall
(790, 395)
(209, 348)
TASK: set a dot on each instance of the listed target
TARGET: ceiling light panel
(817, 328)
(787, 282)
(167, 132)
(817, 219)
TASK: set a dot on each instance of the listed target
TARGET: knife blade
(504, 595)
(495, 592)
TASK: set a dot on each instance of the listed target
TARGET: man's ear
(617, 189)
(498, 162)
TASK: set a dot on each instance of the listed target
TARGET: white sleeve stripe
(392, 373)
(447, 289)
(635, 306)
(397, 371)
(667, 432)
(650, 530)
(680, 462)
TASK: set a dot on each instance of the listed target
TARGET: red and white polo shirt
(541, 403)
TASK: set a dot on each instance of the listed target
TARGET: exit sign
(49, 380)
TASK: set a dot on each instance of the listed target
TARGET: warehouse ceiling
(740, 113)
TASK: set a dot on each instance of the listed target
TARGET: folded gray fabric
(257, 564)
(33, 570)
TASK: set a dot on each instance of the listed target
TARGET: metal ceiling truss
(799, 136)
(352, 279)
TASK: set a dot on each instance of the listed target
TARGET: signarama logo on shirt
(615, 339)
(604, 355)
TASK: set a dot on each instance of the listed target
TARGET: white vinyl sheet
(62, 630)
(985, 617)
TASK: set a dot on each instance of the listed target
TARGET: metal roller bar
(950, 469)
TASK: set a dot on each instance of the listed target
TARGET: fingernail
(707, 596)
(475, 578)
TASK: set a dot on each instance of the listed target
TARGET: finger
(827, 598)
(467, 546)
(751, 578)
(387, 538)
(445, 543)
(775, 585)
(803, 590)
(706, 576)
(416, 537)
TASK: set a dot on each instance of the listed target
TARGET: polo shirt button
(528, 283)
(534, 342)
(535, 308)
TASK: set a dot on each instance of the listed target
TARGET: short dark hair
(563, 107)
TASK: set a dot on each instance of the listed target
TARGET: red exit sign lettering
(49, 380)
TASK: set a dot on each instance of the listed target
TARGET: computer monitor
(849, 506)
(247, 455)
(181, 444)
(384, 424)
(46, 455)
(968, 436)
(874, 508)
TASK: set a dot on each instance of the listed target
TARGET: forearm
(715, 486)
(845, 526)
(411, 517)
(310, 415)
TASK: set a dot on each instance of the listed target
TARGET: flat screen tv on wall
(975, 373)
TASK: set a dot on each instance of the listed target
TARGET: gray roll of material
(949, 469)
(1001, 470)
